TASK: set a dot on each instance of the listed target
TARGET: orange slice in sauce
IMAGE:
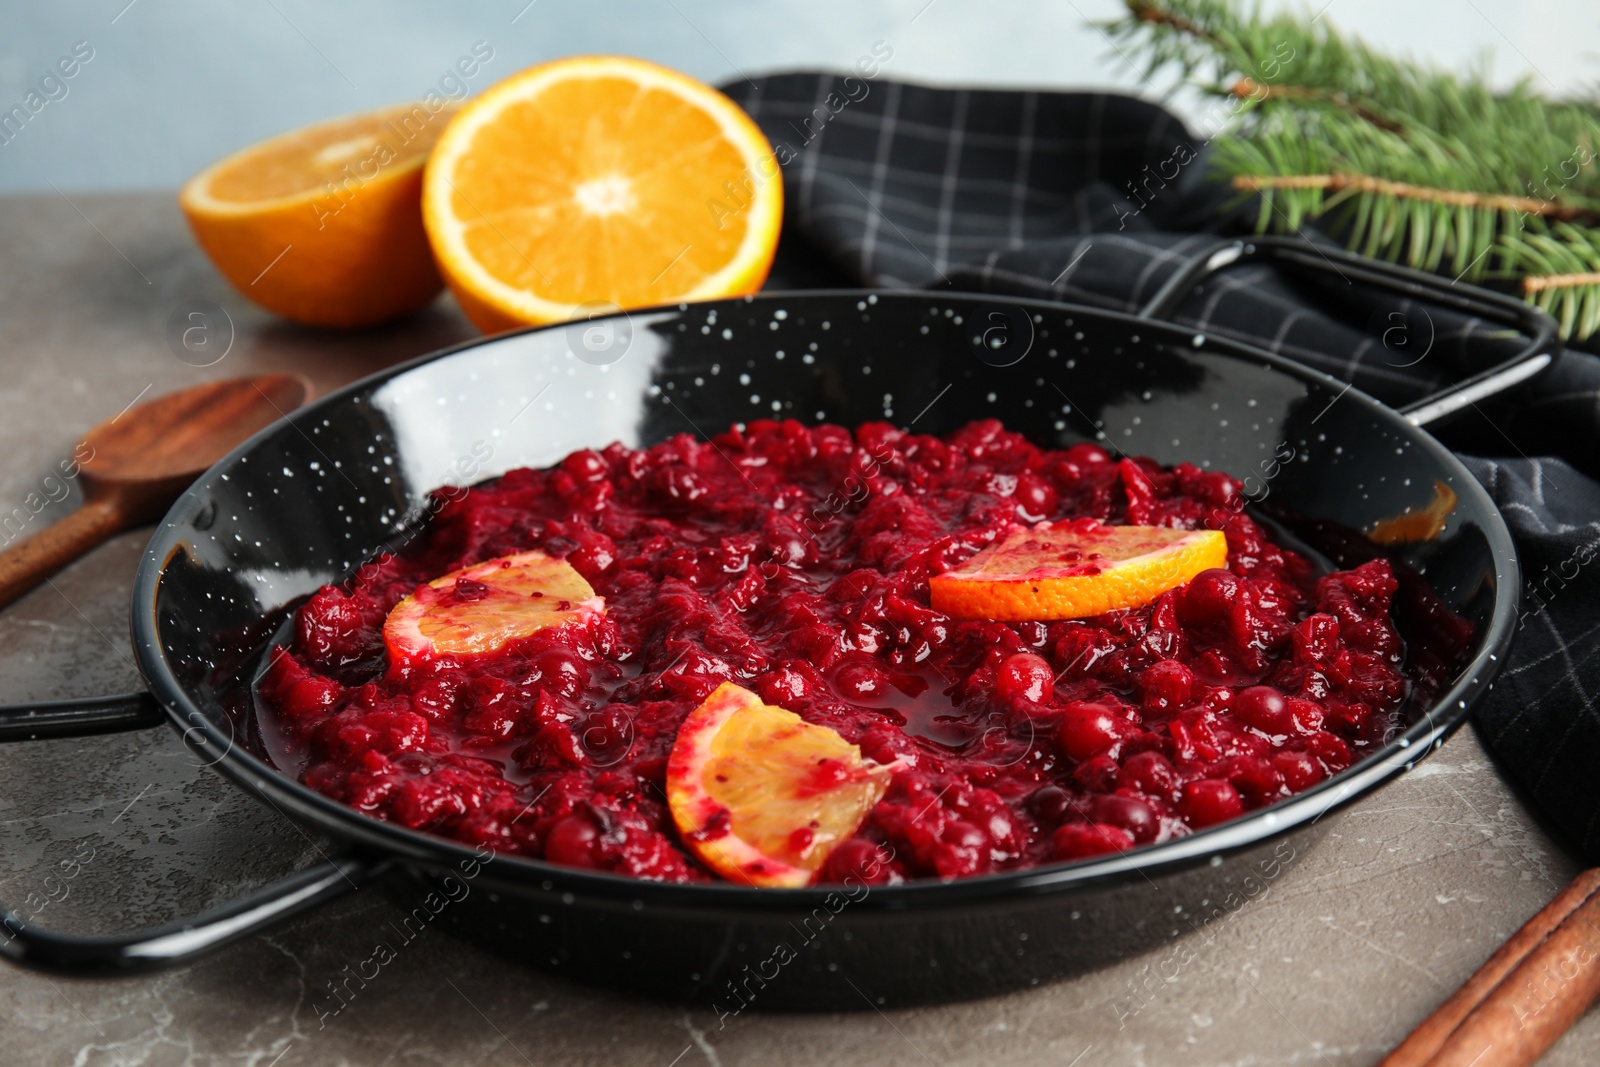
(1073, 570)
(760, 795)
(478, 609)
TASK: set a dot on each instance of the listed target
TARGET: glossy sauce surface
(795, 561)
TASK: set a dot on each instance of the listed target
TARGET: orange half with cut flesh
(323, 224)
(762, 796)
(478, 609)
(1073, 570)
(600, 181)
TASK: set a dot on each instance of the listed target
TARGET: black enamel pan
(309, 498)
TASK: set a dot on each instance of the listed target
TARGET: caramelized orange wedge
(1418, 524)
(761, 796)
(1073, 570)
(478, 609)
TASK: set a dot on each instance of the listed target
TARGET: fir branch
(1433, 168)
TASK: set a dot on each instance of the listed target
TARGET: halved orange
(323, 224)
(478, 609)
(600, 181)
(1074, 569)
(760, 795)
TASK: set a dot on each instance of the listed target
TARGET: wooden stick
(1538, 283)
(1537, 1002)
(1431, 1037)
(1366, 183)
(1245, 88)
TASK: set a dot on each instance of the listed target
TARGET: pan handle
(81, 717)
(23, 943)
(1542, 350)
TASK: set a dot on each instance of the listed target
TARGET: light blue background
(176, 83)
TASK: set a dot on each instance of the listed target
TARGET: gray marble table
(1393, 907)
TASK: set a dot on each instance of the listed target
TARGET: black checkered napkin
(1096, 199)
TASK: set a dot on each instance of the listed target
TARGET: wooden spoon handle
(26, 565)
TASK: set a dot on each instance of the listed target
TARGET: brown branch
(1538, 283)
(1148, 11)
(1364, 183)
(1249, 87)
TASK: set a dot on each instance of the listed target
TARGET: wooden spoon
(134, 466)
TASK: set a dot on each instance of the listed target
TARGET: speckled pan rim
(1213, 845)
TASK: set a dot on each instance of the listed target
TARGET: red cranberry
(1257, 780)
(594, 556)
(607, 733)
(784, 686)
(585, 465)
(333, 629)
(1097, 775)
(1299, 770)
(1331, 750)
(1209, 597)
(1034, 634)
(1307, 715)
(1035, 497)
(1050, 803)
(1024, 676)
(1264, 708)
(1209, 801)
(1150, 773)
(1166, 686)
(1086, 455)
(1087, 729)
(1081, 840)
(1129, 813)
(571, 842)
(859, 680)
(553, 747)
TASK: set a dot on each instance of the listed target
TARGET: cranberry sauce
(795, 561)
